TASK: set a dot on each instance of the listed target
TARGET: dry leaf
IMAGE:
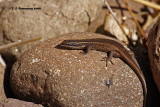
(110, 25)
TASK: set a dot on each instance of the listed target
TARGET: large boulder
(49, 19)
(58, 77)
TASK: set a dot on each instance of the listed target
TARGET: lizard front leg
(109, 57)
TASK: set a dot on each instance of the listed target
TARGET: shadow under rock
(9, 60)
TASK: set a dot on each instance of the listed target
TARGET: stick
(149, 4)
(110, 10)
(139, 27)
(19, 43)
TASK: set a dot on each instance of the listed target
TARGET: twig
(19, 43)
(139, 27)
(149, 4)
(110, 10)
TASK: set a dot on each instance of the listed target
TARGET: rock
(2, 71)
(57, 77)
(54, 17)
(153, 45)
(10, 102)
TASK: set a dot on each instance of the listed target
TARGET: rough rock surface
(17, 103)
(153, 44)
(2, 71)
(54, 18)
(57, 77)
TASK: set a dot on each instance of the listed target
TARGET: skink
(110, 46)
